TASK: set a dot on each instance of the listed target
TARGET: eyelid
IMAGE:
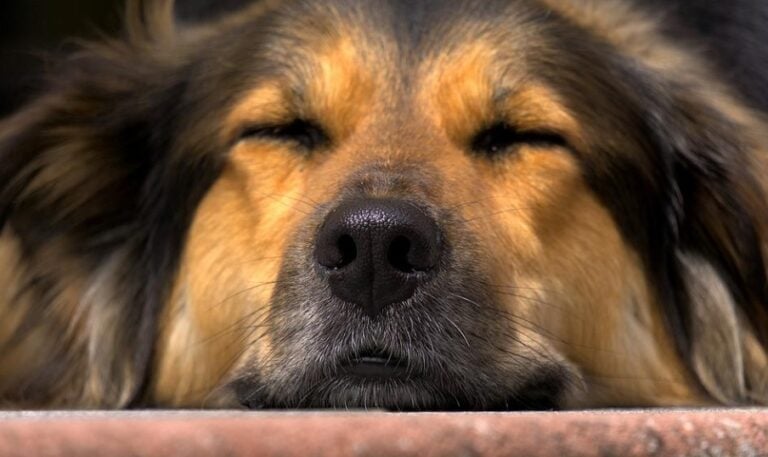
(306, 133)
(501, 136)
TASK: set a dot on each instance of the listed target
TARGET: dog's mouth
(376, 364)
(377, 378)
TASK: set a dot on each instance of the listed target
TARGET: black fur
(147, 155)
(733, 34)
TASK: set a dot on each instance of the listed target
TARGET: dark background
(31, 31)
(35, 33)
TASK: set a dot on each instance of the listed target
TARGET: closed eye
(501, 137)
(304, 133)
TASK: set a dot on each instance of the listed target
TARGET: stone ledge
(697, 433)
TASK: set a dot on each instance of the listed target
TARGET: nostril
(347, 250)
(398, 254)
(335, 251)
(414, 254)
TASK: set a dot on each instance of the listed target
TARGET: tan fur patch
(340, 88)
(335, 90)
(458, 90)
(536, 107)
(465, 90)
(230, 266)
(264, 105)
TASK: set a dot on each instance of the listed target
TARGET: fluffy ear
(721, 221)
(93, 212)
(66, 198)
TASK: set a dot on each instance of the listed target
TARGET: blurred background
(34, 33)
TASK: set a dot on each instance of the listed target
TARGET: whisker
(278, 198)
(519, 341)
(237, 325)
(257, 259)
(243, 291)
(495, 213)
(468, 203)
(450, 321)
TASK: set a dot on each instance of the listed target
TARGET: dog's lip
(376, 364)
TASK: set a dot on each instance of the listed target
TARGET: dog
(422, 205)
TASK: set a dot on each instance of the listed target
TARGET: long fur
(101, 176)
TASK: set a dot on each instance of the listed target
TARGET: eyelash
(305, 133)
(500, 137)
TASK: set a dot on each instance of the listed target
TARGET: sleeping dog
(412, 205)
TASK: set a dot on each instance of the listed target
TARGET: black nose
(377, 251)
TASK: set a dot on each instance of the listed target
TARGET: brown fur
(559, 275)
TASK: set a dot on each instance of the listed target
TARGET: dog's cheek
(573, 287)
(214, 321)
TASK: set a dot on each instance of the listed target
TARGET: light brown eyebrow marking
(266, 103)
(537, 107)
(468, 89)
(329, 84)
(341, 87)
(457, 90)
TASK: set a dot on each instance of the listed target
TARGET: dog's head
(412, 205)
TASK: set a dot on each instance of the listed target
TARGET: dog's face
(431, 205)
(403, 219)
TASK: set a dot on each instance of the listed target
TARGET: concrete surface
(702, 433)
